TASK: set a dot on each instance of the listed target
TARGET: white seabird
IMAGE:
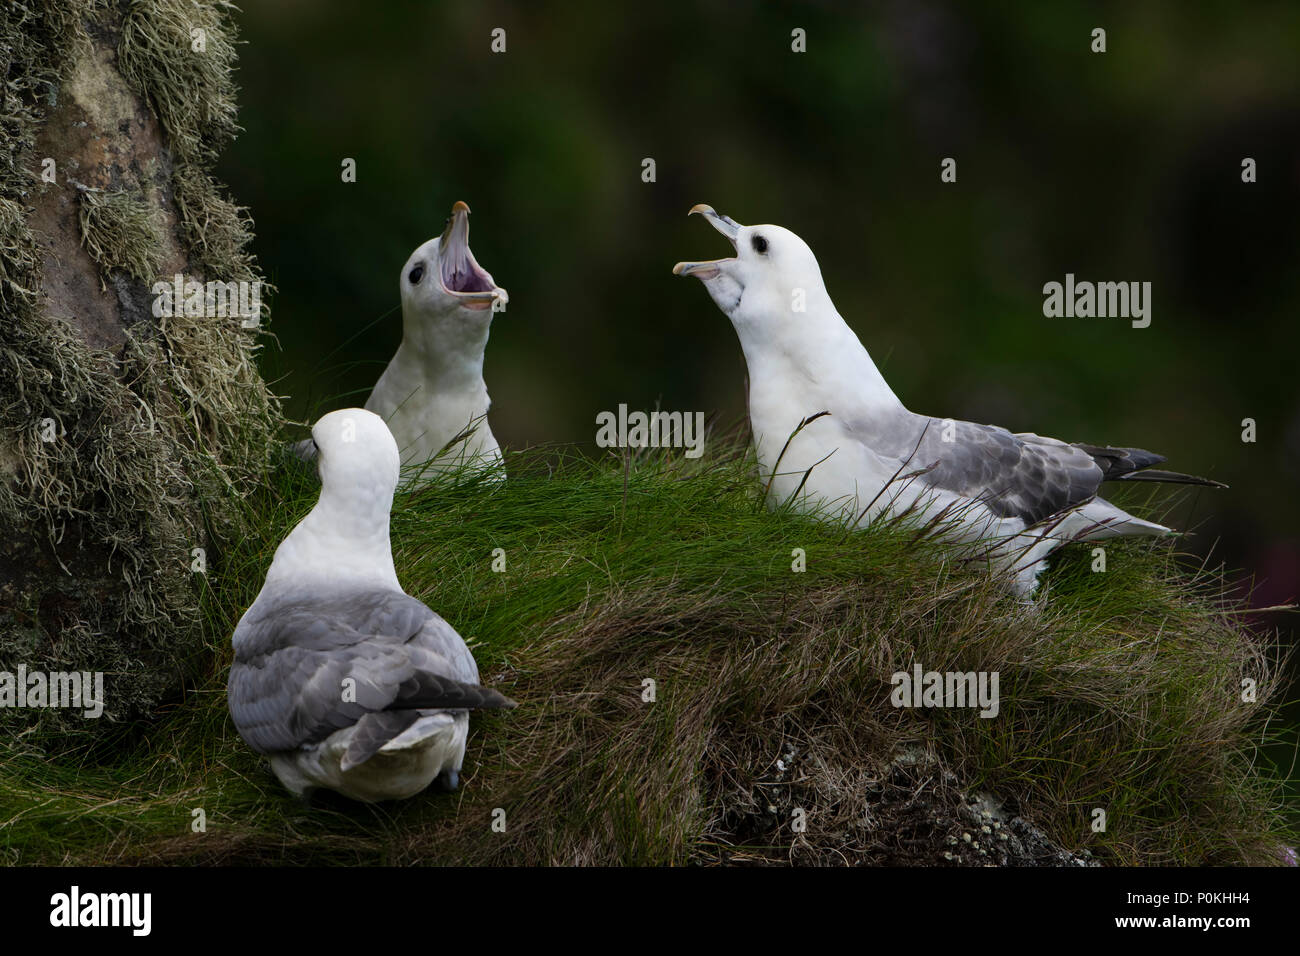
(432, 394)
(340, 677)
(832, 437)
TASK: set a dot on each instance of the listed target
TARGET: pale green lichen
(182, 55)
(120, 230)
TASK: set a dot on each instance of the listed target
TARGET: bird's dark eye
(416, 274)
(760, 245)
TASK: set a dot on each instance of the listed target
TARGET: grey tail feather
(1134, 464)
(443, 692)
(374, 730)
(1172, 477)
(1115, 462)
(378, 727)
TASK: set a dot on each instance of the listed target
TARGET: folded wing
(306, 668)
(1020, 475)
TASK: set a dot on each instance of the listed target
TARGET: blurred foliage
(1117, 166)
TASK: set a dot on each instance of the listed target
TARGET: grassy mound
(770, 737)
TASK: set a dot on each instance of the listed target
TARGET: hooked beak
(459, 273)
(724, 224)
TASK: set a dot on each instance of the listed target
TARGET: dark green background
(1115, 166)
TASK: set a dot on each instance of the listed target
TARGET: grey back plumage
(294, 652)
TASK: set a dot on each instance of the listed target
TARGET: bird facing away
(432, 393)
(340, 677)
(833, 439)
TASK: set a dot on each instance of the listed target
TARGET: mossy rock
(126, 440)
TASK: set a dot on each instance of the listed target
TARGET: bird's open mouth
(460, 274)
(708, 269)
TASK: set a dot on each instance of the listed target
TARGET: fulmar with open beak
(432, 394)
(833, 439)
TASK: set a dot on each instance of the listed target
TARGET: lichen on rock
(127, 439)
(120, 231)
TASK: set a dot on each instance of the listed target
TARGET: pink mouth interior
(460, 273)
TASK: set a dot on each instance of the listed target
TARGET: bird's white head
(358, 460)
(447, 298)
(770, 286)
(800, 352)
(344, 539)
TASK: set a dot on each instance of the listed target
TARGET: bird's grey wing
(1015, 475)
(439, 649)
(287, 684)
(446, 674)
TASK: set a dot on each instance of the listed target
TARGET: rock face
(102, 136)
(941, 824)
(913, 812)
(125, 437)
